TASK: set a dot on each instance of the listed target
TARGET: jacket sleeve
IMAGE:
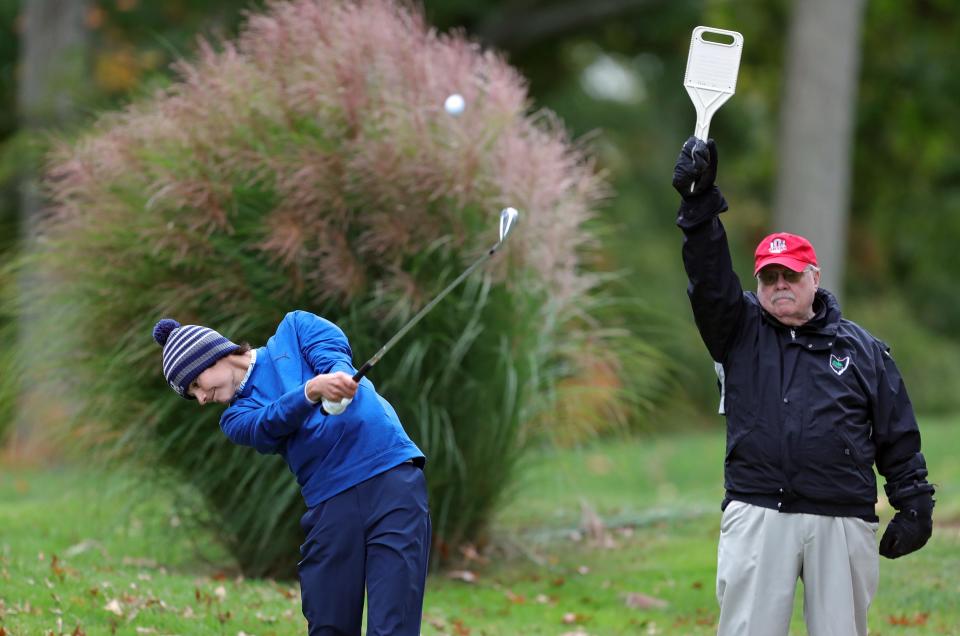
(713, 287)
(264, 428)
(323, 345)
(897, 436)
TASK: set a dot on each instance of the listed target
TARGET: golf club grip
(363, 371)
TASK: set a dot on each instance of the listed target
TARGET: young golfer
(367, 525)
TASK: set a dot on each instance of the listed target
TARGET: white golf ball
(454, 104)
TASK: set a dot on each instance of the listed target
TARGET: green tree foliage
(310, 164)
(134, 43)
(907, 194)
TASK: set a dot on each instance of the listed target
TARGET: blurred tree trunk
(53, 77)
(53, 72)
(816, 128)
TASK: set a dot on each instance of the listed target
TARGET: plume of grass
(309, 164)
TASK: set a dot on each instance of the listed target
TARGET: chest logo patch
(839, 365)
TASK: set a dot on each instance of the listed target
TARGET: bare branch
(521, 28)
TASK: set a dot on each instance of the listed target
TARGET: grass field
(616, 538)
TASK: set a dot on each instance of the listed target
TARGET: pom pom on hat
(163, 329)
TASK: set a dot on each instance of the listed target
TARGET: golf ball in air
(454, 104)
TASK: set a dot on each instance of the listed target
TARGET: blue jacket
(328, 454)
(810, 409)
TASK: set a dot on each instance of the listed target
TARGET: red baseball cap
(783, 248)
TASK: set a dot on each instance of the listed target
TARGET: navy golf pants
(374, 536)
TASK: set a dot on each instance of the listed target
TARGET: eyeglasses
(771, 276)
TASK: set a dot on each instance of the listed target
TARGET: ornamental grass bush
(310, 164)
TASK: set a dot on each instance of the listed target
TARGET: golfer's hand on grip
(696, 169)
(334, 390)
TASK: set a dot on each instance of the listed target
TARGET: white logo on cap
(777, 246)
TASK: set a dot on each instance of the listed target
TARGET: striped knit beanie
(188, 351)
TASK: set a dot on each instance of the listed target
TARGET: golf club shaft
(420, 314)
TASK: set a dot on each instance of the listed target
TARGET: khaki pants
(763, 552)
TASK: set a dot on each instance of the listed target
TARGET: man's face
(216, 384)
(787, 295)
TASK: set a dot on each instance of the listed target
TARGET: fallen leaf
(462, 575)
(438, 623)
(79, 548)
(459, 629)
(570, 618)
(642, 601)
(114, 607)
(518, 599)
(260, 616)
(909, 621)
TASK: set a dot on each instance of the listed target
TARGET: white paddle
(711, 76)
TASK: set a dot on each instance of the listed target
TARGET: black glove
(910, 528)
(696, 167)
(693, 177)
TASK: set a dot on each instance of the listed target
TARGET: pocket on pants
(731, 514)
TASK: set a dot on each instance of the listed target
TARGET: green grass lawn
(617, 538)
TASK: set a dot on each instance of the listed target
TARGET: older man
(812, 402)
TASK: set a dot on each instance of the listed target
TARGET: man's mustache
(783, 295)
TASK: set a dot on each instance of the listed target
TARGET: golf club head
(508, 217)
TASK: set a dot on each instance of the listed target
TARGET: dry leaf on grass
(114, 607)
(642, 601)
(462, 575)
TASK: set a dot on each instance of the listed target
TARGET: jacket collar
(826, 318)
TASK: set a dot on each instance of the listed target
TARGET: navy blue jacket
(809, 409)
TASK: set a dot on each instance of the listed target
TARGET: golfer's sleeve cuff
(307, 396)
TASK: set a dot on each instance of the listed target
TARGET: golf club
(508, 217)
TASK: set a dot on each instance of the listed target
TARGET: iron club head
(508, 216)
